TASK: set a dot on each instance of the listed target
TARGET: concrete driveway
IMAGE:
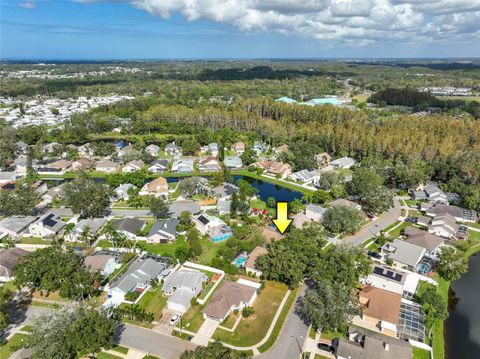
(163, 325)
(205, 332)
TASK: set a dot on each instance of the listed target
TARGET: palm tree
(86, 235)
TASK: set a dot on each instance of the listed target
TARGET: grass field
(103, 355)
(281, 319)
(252, 329)
(12, 345)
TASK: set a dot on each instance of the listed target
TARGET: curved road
(374, 228)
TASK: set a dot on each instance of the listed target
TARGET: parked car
(175, 319)
(374, 255)
(411, 220)
(326, 347)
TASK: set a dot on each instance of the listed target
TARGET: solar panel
(203, 219)
(49, 220)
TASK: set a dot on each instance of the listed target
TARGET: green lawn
(331, 335)
(193, 319)
(474, 225)
(420, 353)
(165, 249)
(153, 302)
(103, 355)
(34, 240)
(251, 330)
(209, 251)
(12, 345)
(120, 349)
(280, 321)
(391, 226)
(396, 232)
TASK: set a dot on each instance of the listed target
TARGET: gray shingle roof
(184, 278)
(130, 225)
(168, 226)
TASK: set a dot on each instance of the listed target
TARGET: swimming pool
(240, 260)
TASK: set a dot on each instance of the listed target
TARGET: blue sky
(149, 29)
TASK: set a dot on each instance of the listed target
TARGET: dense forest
(195, 103)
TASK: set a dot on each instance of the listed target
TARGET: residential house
(435, 194)
(85, 150)
(380, 310)
(22, 147)
(403, 253)
(224, 207)
(21, 166)
(233, 162)
(322, 159)
(238, 148)
(460, 214)
(133, 166)
(158, 188)
(173, 150)
(122, 191)
(182, 166)
(212, 149)
(129, 226)
(214, 227)
(250, 265)
(181, 287)
(48, 225)
(152, 150)
(393, 280)
(371, 345)
(444, 226)
(314, 212)
(14, 226)
(423, 239)
(8, 259)
(305, 176)
(259, 147)
(103, 263)
(281, 149)
(228, 297)
(50, 147)
(7, 177)
(209, 164)
(158, 166)
(286, 100)
(176, 208)
(423, 221)
(274, 168)
(138, 277)
(57, 167)
(106, 166)
(39, 187)
(83, 164)
(344, 162)
(88, 226)
(340, 202)
(224, 191)
(164, 231)
(125, 151)
(53, 193)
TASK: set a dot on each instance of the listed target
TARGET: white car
(174, 319)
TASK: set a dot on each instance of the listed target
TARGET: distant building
(344, 162)
(159, 166)
(106, 166)
(158, 188)
(105, 264)
(133, 166)
(152, 150)
(238, 148)
(14, 226)
(250, 265)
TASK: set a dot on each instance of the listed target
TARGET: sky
(179, 29)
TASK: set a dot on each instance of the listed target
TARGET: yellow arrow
(282, 222)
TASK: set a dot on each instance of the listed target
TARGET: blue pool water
(221, 238)
(239, 261)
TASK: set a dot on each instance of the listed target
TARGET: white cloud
(360, 22)
(29, 4)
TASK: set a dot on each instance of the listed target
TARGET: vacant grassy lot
(251, 330)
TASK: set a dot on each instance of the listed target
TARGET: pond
(462, 327)
(265, 189)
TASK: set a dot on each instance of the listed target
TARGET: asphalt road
(291, 339)
(113, 212)
(163, 346)
(376, 226)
